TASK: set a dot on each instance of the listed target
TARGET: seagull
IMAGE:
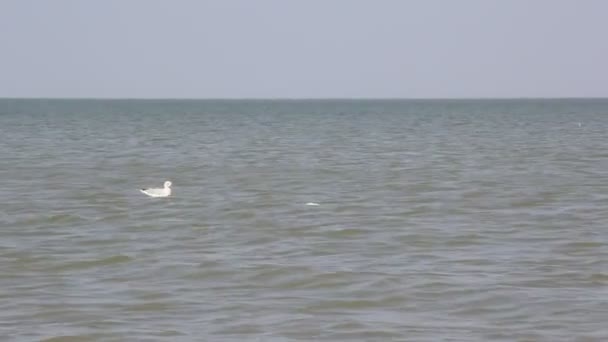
(156, 192)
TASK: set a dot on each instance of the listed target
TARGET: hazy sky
(303, 48)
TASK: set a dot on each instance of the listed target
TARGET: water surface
(453, 220)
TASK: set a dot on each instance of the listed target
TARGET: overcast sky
(303, 48)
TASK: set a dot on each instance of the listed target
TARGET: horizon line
(305, 98)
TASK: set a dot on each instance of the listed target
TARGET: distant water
(437, 220)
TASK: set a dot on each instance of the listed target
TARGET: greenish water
(437, 220)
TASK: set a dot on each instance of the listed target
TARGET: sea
(304, 220)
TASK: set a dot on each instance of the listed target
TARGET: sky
(303, 48)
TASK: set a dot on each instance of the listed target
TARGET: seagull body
(158, 192)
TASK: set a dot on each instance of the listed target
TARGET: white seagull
(156, 192)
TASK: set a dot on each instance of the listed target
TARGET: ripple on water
(86, 264)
